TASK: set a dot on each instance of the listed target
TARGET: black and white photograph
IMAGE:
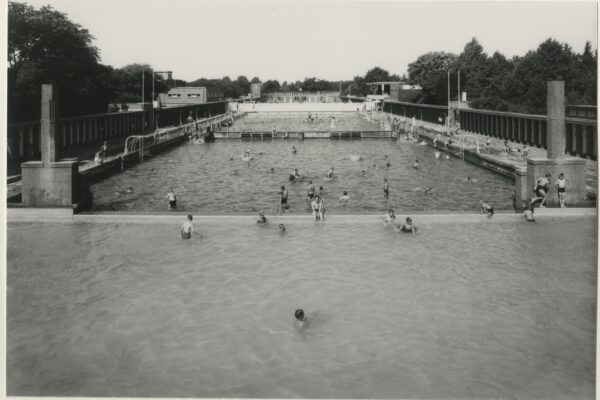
(300, 199)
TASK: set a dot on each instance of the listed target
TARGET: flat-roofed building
(400, 91)
(302, 97)
(183, 96)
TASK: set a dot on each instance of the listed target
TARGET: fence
(527, 129)
(24, 138)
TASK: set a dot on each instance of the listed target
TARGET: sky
(335, 40)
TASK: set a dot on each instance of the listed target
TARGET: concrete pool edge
(66, 215)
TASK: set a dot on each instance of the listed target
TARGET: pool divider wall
(304, 135)
(66, 215)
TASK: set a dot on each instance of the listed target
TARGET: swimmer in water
(389, 218)
(310, 190)
(187, 228)
(261, 218)
(528, 213)
(407, 227)
(283, 199)
(282, 228)
(172, 198)
(416, 164)
(321, 192)
(129, 189)
(314, 205)
(486, 208)
(330, 173)
(428, 190)
(386, 190)
(387, 161)
(272, 170)
(301, 320)
(321, 208)
(345, 196)
(363, 172)
(293, 149)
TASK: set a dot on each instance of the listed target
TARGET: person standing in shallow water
(172, 198)
(187, 228)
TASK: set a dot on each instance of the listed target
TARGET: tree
(472, 62)
(377, 74)
(256, 79)
(430, 72)
(44, 46)
(271, 86)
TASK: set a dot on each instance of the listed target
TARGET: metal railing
(23, 139)
(528, 129)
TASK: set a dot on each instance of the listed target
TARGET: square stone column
(50, 183)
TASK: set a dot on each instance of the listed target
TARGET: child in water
(389, 217)
(486, 208)
(301, 320)
(187, 228)
(407, 227)
(261, 218)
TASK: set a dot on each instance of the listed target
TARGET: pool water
(298, 122)
(490, 309)
(212, 178)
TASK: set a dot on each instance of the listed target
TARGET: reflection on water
(483, 310)
(212, 178)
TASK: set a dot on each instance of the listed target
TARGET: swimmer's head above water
(299, 314)
(281, 228)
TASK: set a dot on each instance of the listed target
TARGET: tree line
(44, 46)
(497, 83)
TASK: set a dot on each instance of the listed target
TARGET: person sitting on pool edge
(345, 196)
(407, 227)
(416, 164)
(187, 228)
(301, 320)
(389, 217)
(486, 208)
(261, 218)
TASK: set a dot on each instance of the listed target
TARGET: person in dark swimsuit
(283, 200)
(386, 190)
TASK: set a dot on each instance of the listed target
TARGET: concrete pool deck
(66, 215)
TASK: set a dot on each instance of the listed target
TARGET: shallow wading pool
(468, 308)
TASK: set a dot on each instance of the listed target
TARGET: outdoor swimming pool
(322, 121)
(212, 178)
(470, 307)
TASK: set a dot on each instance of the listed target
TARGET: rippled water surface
(491, 309)
(212, 178)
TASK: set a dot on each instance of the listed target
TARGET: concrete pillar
(50, 182)
(49, 146)
(555, 134)
(556, 162)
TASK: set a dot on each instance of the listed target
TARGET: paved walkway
(496, 150)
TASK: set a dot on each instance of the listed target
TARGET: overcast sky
(291, 40)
